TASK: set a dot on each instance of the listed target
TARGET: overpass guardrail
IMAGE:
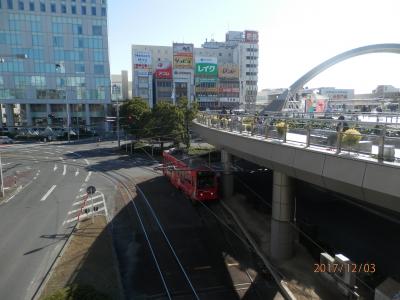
(366, 136)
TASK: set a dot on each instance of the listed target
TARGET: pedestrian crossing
(86, 206)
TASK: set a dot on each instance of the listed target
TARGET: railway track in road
(174, 279)
(254, 280)
(181, 274)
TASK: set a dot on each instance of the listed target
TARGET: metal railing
(376, 135)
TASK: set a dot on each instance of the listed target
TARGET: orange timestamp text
(350, 268)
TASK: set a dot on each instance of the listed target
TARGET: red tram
(190, 175)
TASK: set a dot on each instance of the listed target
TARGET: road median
(88, 261)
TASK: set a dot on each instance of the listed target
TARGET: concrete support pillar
(10, 117)
(227, 176)
(48, 112)
(87, 115)
(282, 205)
(28, 115)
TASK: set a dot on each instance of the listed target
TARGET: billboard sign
(142, 59)
(164, 70)
(228, 71)
(183, 62)
(313, 103)
(251, 36)
(183, 56)
(206, 66)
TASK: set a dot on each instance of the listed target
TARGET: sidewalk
(299, 270)
(88, 259)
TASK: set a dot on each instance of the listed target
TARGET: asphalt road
(35, 222)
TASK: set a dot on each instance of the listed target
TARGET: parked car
(6, 140)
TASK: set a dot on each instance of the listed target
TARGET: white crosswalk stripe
(90, 207)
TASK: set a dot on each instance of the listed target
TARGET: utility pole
(114, 87)
(60, 66)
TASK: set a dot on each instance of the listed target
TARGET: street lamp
(114, 87)
(60, 67)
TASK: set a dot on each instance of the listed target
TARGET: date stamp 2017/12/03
(350, 268)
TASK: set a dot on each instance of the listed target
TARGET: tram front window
(205, 179)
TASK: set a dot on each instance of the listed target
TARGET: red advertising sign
(164, 70)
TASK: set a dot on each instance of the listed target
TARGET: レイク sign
(206, 66)
(206, 69)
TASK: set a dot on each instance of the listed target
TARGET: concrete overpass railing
(363, 163)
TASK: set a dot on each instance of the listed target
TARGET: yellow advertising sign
(183, 62)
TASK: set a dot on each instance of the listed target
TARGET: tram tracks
(172, 274)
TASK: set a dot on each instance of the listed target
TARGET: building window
(80, 68)
(96, 30)
(93, 1)
(77, 29)
(58, 41)
(31, 5)
(98, 55)
(83, 10)
(98, 69)
(53, 7)
(93, 10)
(42, 6)
(73, 9)
(37, 40)
(103, 12)
(63, 8)
(21, 5)
(10, 4)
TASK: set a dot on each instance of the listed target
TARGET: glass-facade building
(66, 72)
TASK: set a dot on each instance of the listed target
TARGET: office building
(120, 86)
(67, 71)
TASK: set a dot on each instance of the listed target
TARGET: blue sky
(295, 35)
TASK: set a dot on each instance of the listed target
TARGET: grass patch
(78, 292)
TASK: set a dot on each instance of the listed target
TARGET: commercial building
(217, 75)
(120, 86)
(65, 80)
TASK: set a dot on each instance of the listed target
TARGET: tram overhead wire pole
(61, 68)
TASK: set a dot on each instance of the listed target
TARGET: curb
(287, 294)
(47, 276)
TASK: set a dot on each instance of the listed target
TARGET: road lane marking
(79, 202)
(65, 170)
(83, 216)
(88, 205)
(55, 167)
(61, 158)
(35, 177)
(77, 172)
(81, 189)
(48, 152)
(87, 162)
(48, 193)
(88, 176)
